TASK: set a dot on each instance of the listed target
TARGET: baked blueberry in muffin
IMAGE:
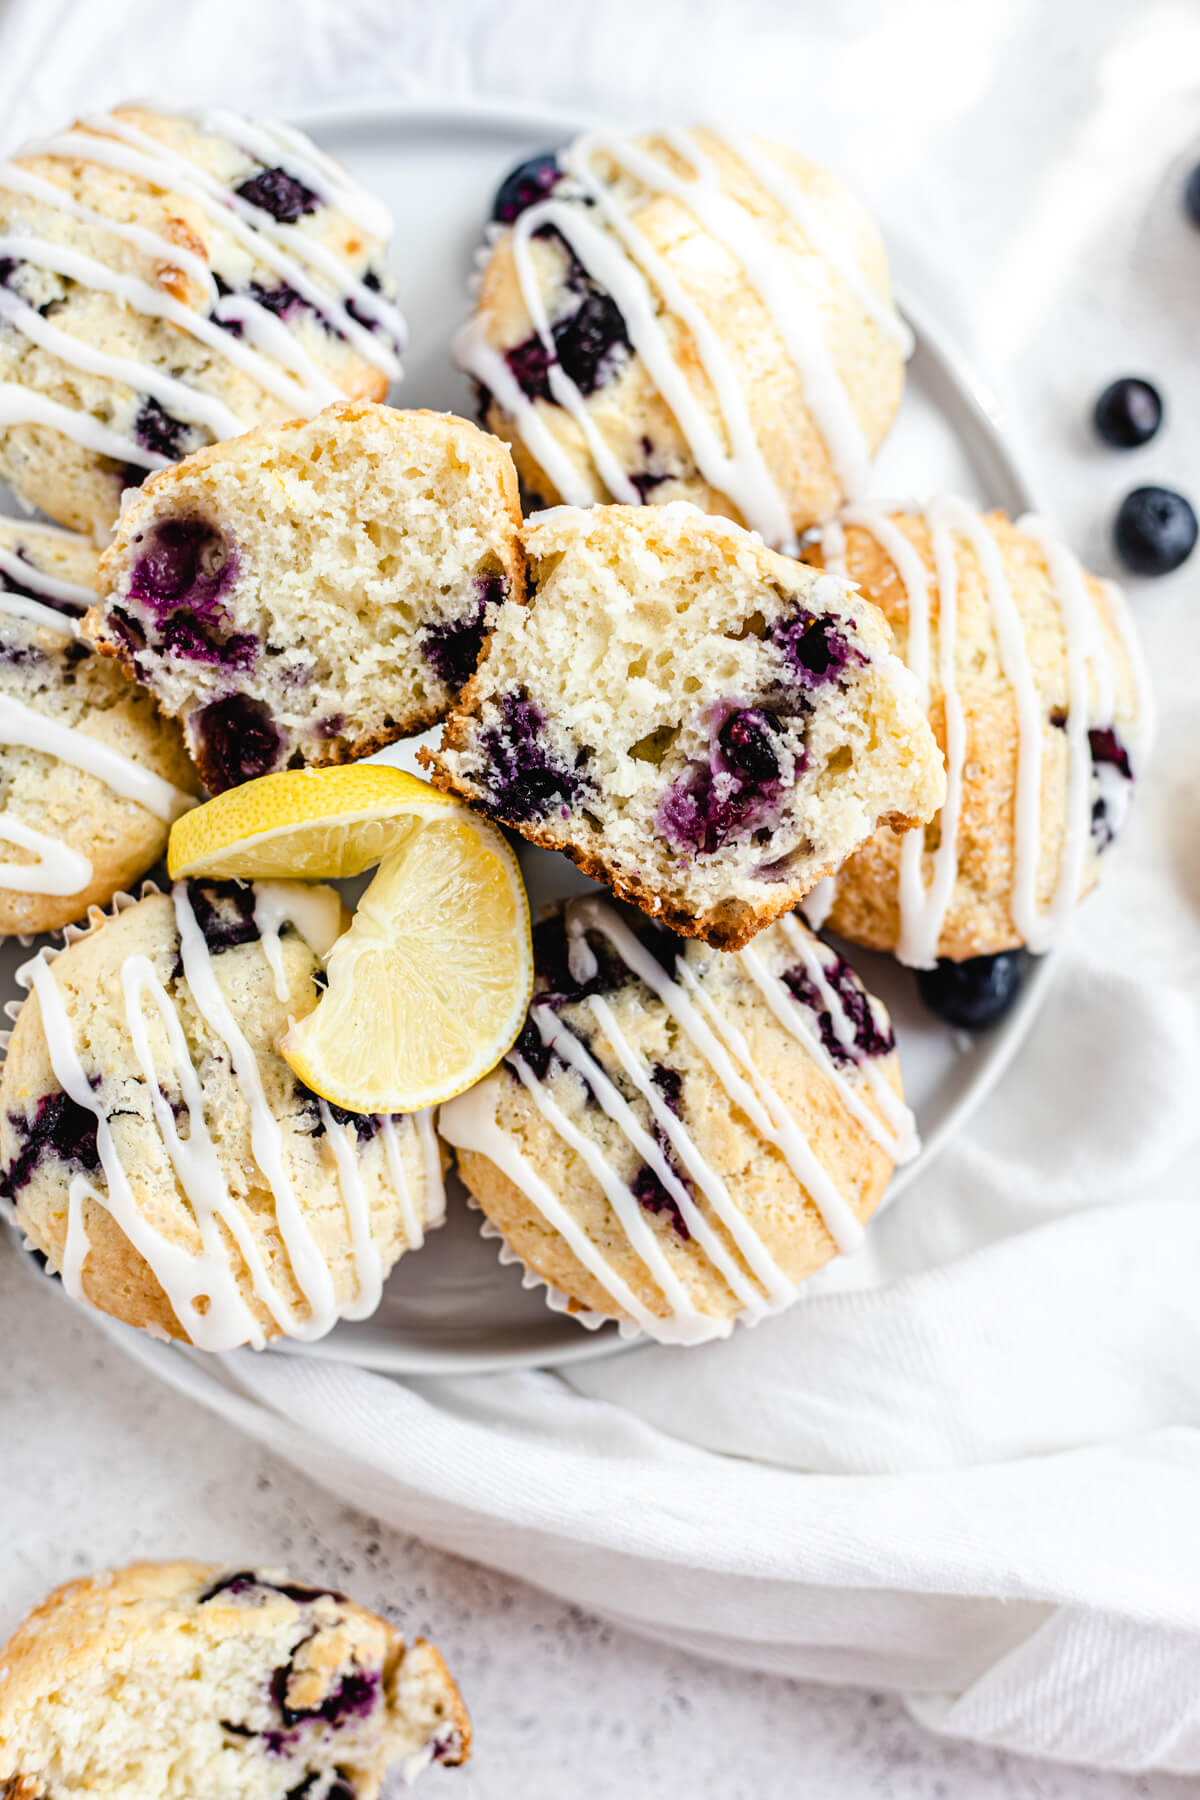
(310, 592)
(689, 716)
(187, 1681)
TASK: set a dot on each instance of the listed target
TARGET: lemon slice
(304, 824)
(429, 986)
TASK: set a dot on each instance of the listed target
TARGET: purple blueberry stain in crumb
(523, 777)
(869, 1038)
(366, 1126)
(589, 342)
(192, 640)
(355, 1697)
(524, 186)
(452, 647)
(736, 790)
(276, 192)
(331, 726)
(814, 647)
(60, 1128)
(1108, 750)
(238, 740)
(185, 563)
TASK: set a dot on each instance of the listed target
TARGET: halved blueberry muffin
(679, 1138)
(313, 591)
(188, 1681)
(1035, 688)
(173, 279)
(686, 315)
(691, 717)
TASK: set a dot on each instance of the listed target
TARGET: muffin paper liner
(555, 1299)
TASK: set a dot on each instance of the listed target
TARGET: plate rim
(380, 111)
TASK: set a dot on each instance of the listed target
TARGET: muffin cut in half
(172, 279)
(1036, 692)
(162, 1156)
(189, 1681)
(687, 315)
(91, 774)
(312, 591)
(691, 717)
(679, 1137)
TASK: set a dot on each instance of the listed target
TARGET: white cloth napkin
(975, 1479)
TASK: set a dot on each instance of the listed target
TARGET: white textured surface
(1033, 153)
(100, 1463)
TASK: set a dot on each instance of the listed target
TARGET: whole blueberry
(1128, 412)
(1154, 530)
(975, 993)
(1191, 195)
(524, 186)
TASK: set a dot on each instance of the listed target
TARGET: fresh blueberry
(1106, 747)
(524, 778)
(276, 192)
(60, 1128)
(224, 911)
(524, 186)
(238, 740)
(1191, 195)
(590, 342)
(1128, 413)
(972, 994)
(364, 1125)
(1154, 531)
(735, 791)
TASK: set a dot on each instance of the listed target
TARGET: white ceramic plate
(453, 1309)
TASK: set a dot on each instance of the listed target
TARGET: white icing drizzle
(186, 402)
(23, 406)
(1091, 690)
(821, 234)
(757, 1281)
(58, 870)
(299, 383)
(19, 724)
(286, 370)
(278, 146)
(368, 1263)
(896, 1133)
(435, 1186)
(624, 263)
(414, 1234)
(817, 904)
(71, 593)
(203, 1287)
(316, 913)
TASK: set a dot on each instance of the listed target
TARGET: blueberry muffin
(188, 1681)
(679, 1137)
(310, 592)
(171, 280)
(160, 1153)
(690, 717)
(1035, 690)
(686, 315)
(91, 774)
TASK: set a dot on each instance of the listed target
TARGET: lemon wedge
(429, 986)
(304, 824)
